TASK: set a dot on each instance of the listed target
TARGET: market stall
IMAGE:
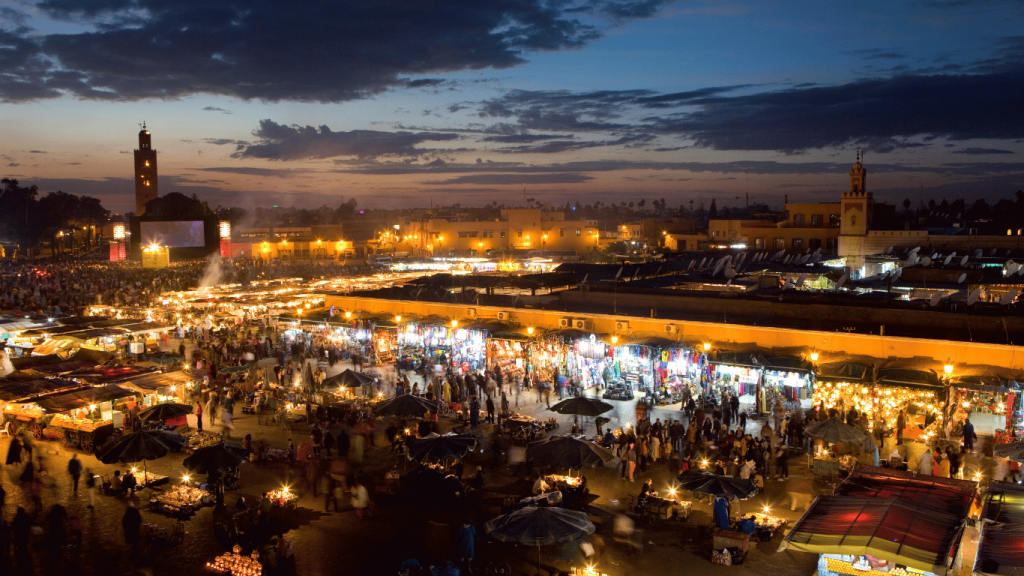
(469, 347)
(86, 417)
(788, 378)
(181, 500)
(581, 355)
(1002, 537)
(877, 536)
(736, 373)
(991, 403)
(920, 393)
(508, 350)
(158, 387)
(385, 341)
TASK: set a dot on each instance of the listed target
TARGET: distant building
(146, 187)
(802, 227)
(291, 243)
(517, 229)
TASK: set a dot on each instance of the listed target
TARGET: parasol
(582, 407)
(405, 406)
(834, 431)
(567, 452)
(441, 448)
(538, 527)
(708, 484)
(141, 446)
(219, 458)
(1013, 451)
(166, 411)
(348, 379)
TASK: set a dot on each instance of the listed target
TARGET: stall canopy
(1002, 530)
(749, 359)
(152, 381)
(81, 398)
(843, 372)
(885, 528)
(984, 384)
(14, 391)
(910, 378)
(788, 364)
(947, 495)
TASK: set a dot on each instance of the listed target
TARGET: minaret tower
(145, 172)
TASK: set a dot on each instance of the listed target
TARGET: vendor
(540, 486)
(647, 490)
(748, 525)
(721, 513)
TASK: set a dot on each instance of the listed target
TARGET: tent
(947, 495)
(843, 372)
(885, 528)
(21, 390)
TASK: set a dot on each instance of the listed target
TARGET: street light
(814, 356)
(615, 339)
(707, 346)
(530, 330)
(948, 368)
(455, 323)
(398, 318)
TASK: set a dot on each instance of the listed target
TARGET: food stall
(181, 500)
(159, 387)
(876, 536)
(235, 564)
(86, 417)
(385, 341)
(1002, 537)
(992, 403)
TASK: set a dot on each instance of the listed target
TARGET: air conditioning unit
(581, 324)
(504, 316)
(670, 328)
(621, 326)
(471, 312)
(565, 322)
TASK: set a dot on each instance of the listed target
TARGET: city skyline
(263, 103)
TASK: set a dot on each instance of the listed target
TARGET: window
(502, 233)
(814, 243)
(577, 231)
(490, 233)
(561, 232)
(758, 243)
(520, 233)
(797, 243)
(833, 220)
(798, 220)
(816, 219)
(780, 243)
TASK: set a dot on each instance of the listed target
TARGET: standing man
(75, 469)
(901, 423)
(969, 435)
(199, 415)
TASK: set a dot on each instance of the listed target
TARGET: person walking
(75, 469)
(467, 536)
(901, 423)
(132, 524)
(90, 486)
(199, 415)
(360, 499)
(969, 435)
(631, 460)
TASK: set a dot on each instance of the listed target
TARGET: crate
(731, 539)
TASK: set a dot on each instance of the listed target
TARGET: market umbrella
(567, 452)
(166, 411)
(708, 484)
(533, 526)
(405, 406)
(142, 446)
(1013, 451)
(233, 369)
(163, 357)
(834, 431)
(582, 407)
(219, 458)
(441, 448)
(348, 379)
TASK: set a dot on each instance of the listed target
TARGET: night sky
(408, 102)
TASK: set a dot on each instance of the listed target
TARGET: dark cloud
(249, 171)
(215, 109)
(879, 54)
(271, 50)
(37, 151)
(517, 179)
(983, 151)
(424, 83)
(223, 141)
(557, 146)
(523, 138)
(280, 142)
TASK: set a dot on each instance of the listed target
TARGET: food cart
(181, 500)
(19, 417)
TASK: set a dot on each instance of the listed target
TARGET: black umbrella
(538, 527)
(708, 484)
(405, 406)
(348, 379)
(582, 407)
(441, 448)
(567, 452)
(834, 431)
(162, 412)
(220, 458)
(142, 446)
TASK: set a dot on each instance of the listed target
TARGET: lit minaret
(145, 172)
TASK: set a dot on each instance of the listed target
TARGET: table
(767, 525)
(560, 481)
(283, 497)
